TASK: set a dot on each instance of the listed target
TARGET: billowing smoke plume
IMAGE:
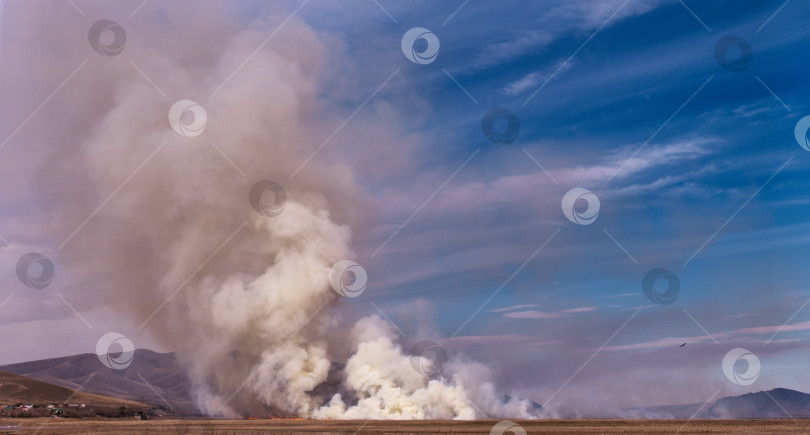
(179, 249)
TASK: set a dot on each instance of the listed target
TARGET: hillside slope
(19, 389)
(152, 378)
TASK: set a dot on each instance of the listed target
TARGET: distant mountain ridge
(154, 378)
(775, 403)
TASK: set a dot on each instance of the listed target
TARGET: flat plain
(208, 426)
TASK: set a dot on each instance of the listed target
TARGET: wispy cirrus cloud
(628, 161)
(552, 23)
(499, 341)
(532, 80)
(517, 312)
(512, 308)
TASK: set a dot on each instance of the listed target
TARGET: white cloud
(533, 80)
(571, 16)
(580, 310)
(631, 161)
(534, 314)
(513, 307)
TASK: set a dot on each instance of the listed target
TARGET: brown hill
(19, 389)
(154, 378)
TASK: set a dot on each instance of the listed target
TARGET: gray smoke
(243, 296)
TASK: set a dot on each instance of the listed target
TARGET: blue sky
(714, 162)
(600, 107)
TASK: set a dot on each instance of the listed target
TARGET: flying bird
(683, 345)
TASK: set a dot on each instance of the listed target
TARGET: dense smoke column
(179, 249)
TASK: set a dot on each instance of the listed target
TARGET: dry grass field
(205, 426)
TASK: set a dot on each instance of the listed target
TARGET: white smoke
(388, 388)
(247, 297)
